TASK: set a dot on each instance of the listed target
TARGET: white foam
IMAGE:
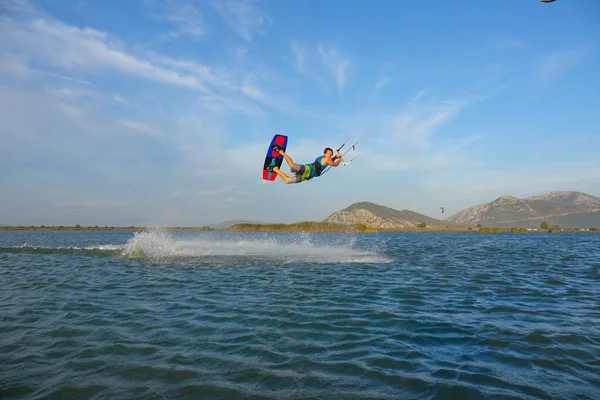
(300, 247)
(104, 247)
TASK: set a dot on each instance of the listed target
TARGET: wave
(105, 249)
(221, 249)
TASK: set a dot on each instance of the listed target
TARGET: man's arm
(336, 162)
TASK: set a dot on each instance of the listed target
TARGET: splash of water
(302, 247)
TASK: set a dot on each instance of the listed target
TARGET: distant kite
(442, 209)
(548, 1)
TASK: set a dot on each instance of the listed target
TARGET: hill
(377, 216)
(567, 209)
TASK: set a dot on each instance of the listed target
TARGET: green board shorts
(301, 173)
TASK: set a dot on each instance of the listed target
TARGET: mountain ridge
(569, 209)
(383, 217)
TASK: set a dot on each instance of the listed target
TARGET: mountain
(566, 209)
(376, 216)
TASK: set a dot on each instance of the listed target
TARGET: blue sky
(158, 112)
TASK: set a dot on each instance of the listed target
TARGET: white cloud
(414, 125)
(72, 110)
(135, 125)
(336, 62)
(243, 17)
(83, 49)
(399, 140)
(14, 65)
(554, 64)
(489, 183)
(190, 21)
(69, 93)
(19, 6)
(40, 39)
(186, 18)
(224, 105)
(118, 99)
(299, 51)
(60, 77)
(385, 77)
(384, 80)
(269, 88)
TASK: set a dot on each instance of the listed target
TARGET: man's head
(328, 152)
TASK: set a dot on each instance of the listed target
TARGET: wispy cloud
(189, 21)
(268, 87)
(555, 64)
(225, 105)
(69, 79)
(382, 81)
(66, 46)
(119, 99)
(407, 135)
(489, 183)
(414, 124)
(20, 6)
(186, 18)
(243, 17)
(135, 126)
(13, 65)
(337, 64)
(385, 76)
(72, 110)
(299, 51)
(37, 38)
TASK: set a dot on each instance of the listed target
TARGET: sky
(160, 112)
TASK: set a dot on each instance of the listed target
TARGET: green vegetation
(306, 226)
(544, 225)
(422, 225)
(488, 229)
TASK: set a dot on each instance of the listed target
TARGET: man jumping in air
(304, 172)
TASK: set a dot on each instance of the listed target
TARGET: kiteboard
(273, 158)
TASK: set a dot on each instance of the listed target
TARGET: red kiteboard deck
(273, 158)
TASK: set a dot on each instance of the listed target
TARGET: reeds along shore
(303, 227)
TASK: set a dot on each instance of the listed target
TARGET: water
(223, 315)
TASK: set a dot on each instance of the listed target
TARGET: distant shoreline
(295, 227)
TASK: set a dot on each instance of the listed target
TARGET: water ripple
(382, 316)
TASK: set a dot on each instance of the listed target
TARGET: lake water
(224, 315)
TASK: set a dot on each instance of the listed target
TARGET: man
(306, 171)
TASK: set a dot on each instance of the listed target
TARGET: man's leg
(282, 174)
(288, 159)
